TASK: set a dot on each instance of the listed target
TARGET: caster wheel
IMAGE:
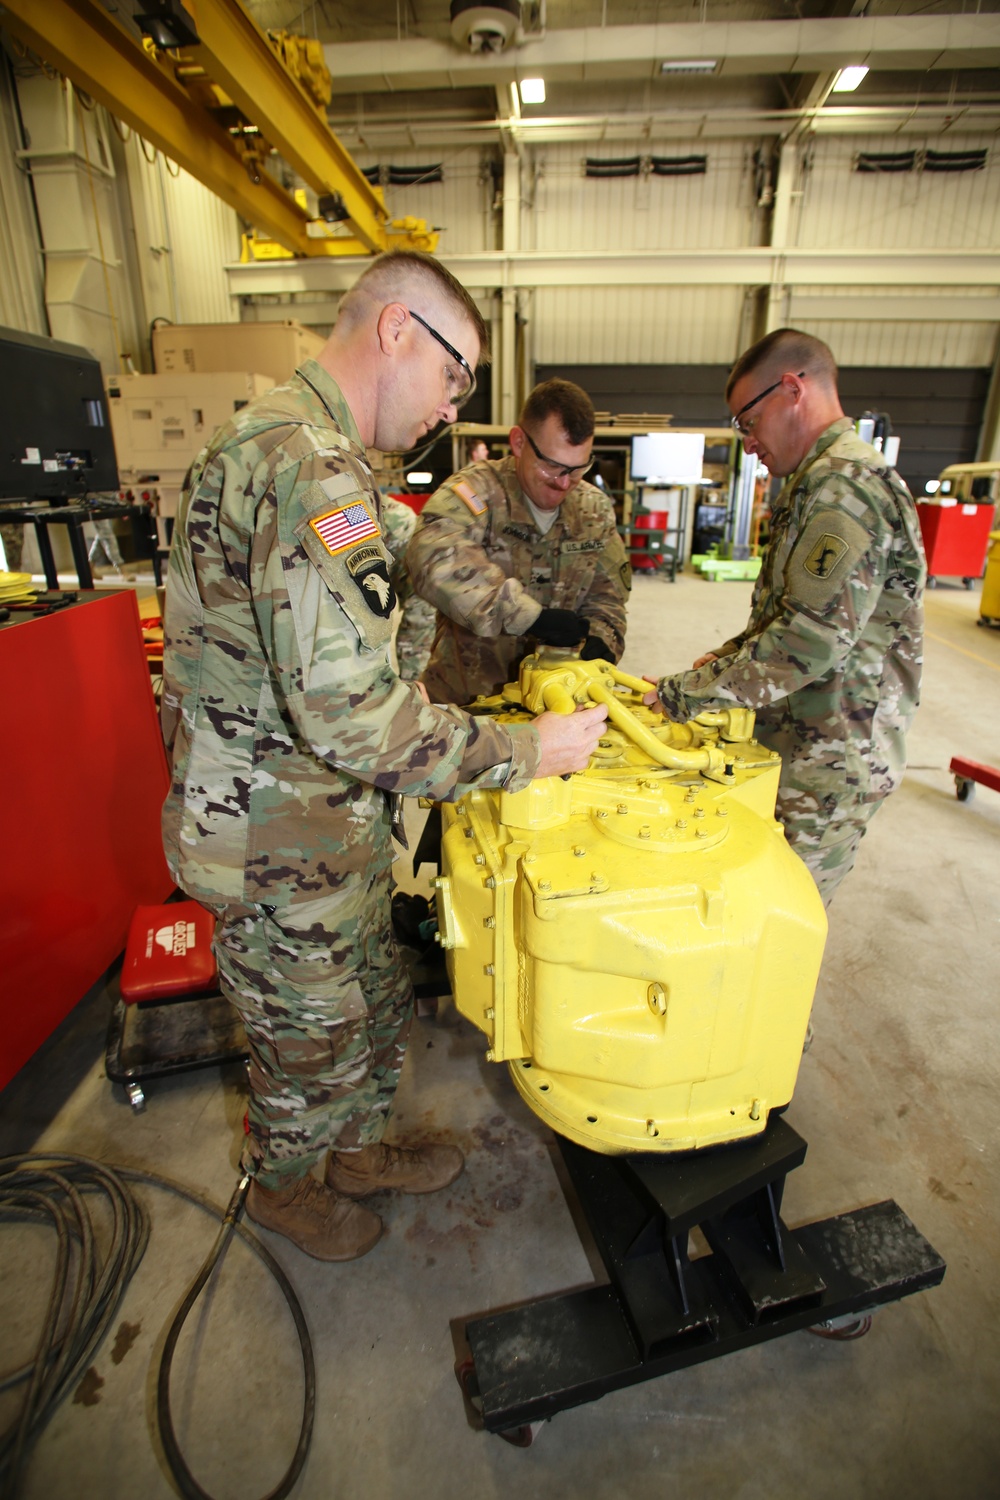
(964, 790)
(520, 1437)
(967, 583)
(843, 1330)
(932, 583)
(136, 1098)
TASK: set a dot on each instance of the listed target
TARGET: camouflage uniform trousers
(327, 1007)
(825, 839)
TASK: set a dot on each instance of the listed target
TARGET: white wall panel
(185, 236)
(22, 303)
(635, 325)
(459, 205)
(842, 208)
(572, 211)
(951, 345)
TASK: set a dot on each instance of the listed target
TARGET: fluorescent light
(419, 476)
(532, 90)
(690, 65)
(848, 79)
(932, 486)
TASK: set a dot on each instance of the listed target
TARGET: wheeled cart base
(155, 1038)
(663, 1311)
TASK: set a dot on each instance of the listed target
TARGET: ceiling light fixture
(848, 79)
(689, 65)
(532, 90)
(419, 476)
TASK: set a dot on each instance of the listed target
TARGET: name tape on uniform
(344, 527)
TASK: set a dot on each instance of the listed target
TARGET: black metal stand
(154, 1038)
(663, 1311)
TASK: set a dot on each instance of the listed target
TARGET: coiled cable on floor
(88, 1289)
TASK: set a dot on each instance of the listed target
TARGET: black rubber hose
(86, 1295)
(188, 1484)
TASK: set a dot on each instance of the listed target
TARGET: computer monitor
(55, 433)
(668, 457)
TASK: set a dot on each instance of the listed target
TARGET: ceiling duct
(479, 27)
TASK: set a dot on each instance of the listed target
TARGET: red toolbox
(956, 534)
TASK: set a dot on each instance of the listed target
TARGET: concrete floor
(897, 1099)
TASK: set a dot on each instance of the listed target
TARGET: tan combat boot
(318, 1221)
(423, 1169)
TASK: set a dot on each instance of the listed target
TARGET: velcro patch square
(472, 500)
(344, 527)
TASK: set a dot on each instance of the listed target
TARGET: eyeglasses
(745, 428)
(460, 396)
(550, 469)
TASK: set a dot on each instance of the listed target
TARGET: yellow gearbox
(637, 941)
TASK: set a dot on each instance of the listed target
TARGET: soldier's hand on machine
(560, 627)
(652, 699)
(569, 740)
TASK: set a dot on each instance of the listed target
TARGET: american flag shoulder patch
(472, 500)
(345, 526)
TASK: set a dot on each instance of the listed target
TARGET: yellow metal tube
(706, 758)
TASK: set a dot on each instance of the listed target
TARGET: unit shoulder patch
(828, 548)
(369, 567)
(344, 527)
(467, 494)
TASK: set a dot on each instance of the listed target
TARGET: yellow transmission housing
(637, 941)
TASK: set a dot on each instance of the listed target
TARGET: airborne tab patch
(344, 527)
(466, 493)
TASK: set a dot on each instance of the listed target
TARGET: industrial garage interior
(187, 192)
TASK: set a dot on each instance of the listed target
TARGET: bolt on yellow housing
(637, 941)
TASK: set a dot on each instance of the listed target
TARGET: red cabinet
(84, 778)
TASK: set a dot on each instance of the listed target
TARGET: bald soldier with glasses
(521, 550)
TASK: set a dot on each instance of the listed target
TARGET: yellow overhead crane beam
(145, 88)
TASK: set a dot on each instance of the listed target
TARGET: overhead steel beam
(99, 57)
(790, 267)
(923, 119)
(821, 45)
(237, 56)
(880, 307)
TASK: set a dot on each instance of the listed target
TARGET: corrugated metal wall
(22, 301)
(835, 207)
(571, 211)
(460, 205)
(185, 236)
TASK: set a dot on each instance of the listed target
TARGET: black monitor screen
(55, 436)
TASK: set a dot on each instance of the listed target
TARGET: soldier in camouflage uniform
(415, 631)
(831, 655)
(288, 732)
(521, 547)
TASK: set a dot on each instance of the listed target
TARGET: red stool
(170, 1015)
(168, 953)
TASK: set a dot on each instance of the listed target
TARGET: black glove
(594, 647)
(559, 627)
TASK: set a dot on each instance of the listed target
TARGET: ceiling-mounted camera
(485, 28)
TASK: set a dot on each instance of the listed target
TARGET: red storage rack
(955, 539)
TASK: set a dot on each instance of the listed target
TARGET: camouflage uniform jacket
(283, 720)
(480, 559)
(832, 653)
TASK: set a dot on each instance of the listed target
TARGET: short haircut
(565, 400)
(401, 276)
(784, 350)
